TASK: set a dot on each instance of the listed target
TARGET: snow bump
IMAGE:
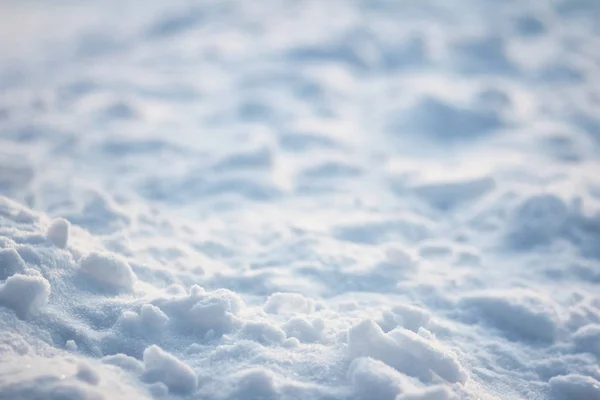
(58, 232)
(161, 366)
(108, 271)
(24, 294)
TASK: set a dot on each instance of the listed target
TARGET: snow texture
(58, 232)
(164, 367)
(108, 271)
(24, 294)
(329, 200)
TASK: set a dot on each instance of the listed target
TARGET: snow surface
(280, 199)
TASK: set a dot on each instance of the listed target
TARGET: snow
(374, 379)
(11, 262)
(405, 351)
(164, 367)
(24, 294)
(58, 232)
(432, 393)
(289, 303)
(109, 271)
(574, 387)
(520, 315)
(346, 200)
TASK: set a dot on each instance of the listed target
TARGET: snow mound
(405, 351)
(263, 332)
(373, 379)
(201, 311)
(160, 366)
(109, 271)
(58, 232)
(289, 303)
(304, 330)
(255, 384)
(24, 294)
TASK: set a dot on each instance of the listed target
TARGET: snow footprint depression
(335, 200)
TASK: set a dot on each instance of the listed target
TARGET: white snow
(405, 351)
(432, 393)
(71, 345)
(519, 315)
(109, 271)
(58, 232)
(289, 303)
(347, 200)
(24, 294)
(10, 262)
(372, 379)
(574, 387)
(164, 367)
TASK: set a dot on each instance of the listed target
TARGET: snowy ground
(280, 199)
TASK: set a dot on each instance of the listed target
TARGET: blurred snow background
(296, 199)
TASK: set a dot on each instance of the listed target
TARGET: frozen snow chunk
(87, 374)
(587, 339)
(150, 321)
(256, 384)
(201, 311)
(304, 330)
(430, 353)
(128, 321)
(161, 366)
(373, 379)
(109, 271)
(70, 345)
(537, 220)
(58, 232)
(368, 340)
(10, 263)
(518, 315)
(289, 303)
(263, 332)
(570, 387)
(430, 393)
(405, 351)
(24, 294)
(152, 317)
